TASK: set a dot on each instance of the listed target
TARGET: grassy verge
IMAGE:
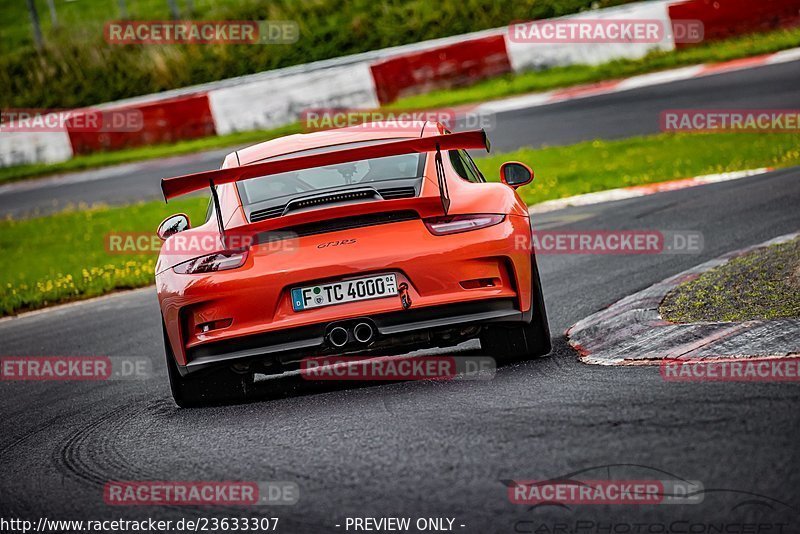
(600, 165)
(764, 284)
(63, 257)
(512, 84)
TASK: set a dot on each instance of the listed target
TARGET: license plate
(371, 287)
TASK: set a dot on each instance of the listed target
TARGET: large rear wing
(181, 185)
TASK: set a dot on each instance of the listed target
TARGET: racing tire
(509, 343)
(219, 385)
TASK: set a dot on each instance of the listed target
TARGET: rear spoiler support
(444, 193)
(217, 211)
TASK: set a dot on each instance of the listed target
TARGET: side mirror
(515, 174)
(172, 225)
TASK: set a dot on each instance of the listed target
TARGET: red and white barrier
(728, 18)
(277, 101)
(23, 148)
(537, 56)
(162, 121)
(442, 67)
(276, 98)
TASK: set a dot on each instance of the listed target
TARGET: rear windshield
(361, 172)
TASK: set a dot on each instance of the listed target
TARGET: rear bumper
(282, 349)
(254, 301)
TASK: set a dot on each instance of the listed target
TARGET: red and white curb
(632, 332)
(636, 82)
(635, 191)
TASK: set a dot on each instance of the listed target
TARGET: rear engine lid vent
(393, 193)
(267, 213)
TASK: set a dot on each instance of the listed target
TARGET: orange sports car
(376, 239)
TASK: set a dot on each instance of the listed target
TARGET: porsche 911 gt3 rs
(379, 238)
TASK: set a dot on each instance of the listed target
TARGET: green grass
(482, 91)
(528, 82)
(600, 165)
(62, 257)
(83, 17)
(763, 284)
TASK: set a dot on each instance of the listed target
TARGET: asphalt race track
(424, 448)
(438, 449)
(611, 116)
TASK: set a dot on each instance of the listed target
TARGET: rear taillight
(220, 261)
(455, 224)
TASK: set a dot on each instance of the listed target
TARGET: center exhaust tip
(363, 332)
(338, 336)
